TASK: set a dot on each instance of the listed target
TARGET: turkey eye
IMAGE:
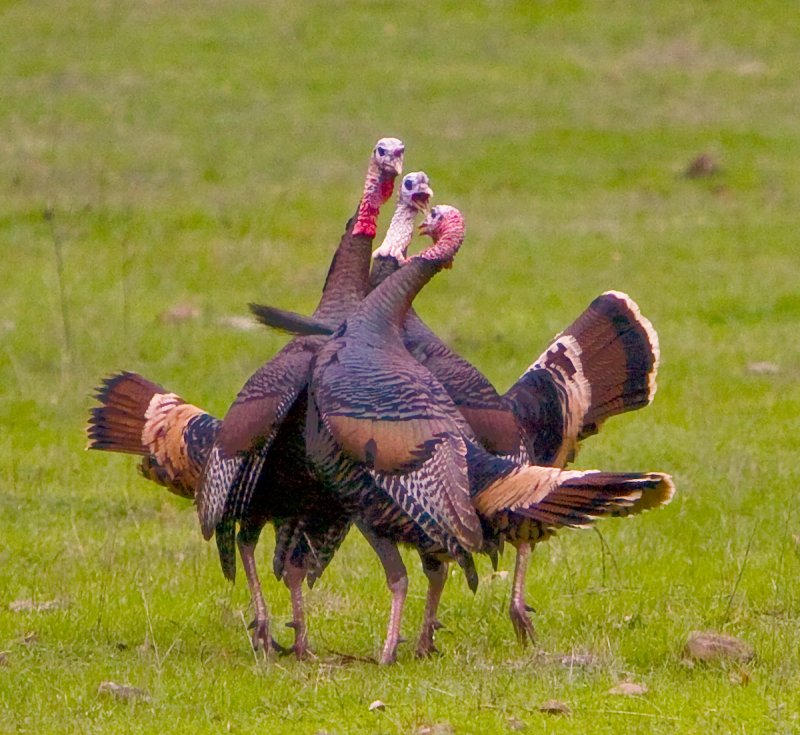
(381, 151)
(407, 184)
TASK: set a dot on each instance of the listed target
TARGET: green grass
(210, 153)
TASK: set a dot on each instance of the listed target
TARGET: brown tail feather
(117, 424)
(140, 417)
(582, 497)
(556, 498)
(619, 356)
(603, 364)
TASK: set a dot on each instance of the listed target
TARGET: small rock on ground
(708, 646)
(702, 165)
(554, 707)
(629, 689)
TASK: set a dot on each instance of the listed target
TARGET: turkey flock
(367, 418)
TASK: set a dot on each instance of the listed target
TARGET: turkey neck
(394, 246)
(347, 282)
(384, 310)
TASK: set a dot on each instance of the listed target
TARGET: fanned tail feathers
(619, 354)
(604, 364)
(556, 499)
(137, 416)
(117, 424)
(594, 494)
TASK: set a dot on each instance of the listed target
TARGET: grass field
(160, 155)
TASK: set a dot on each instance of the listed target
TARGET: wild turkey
(372, 431)
(257, 468)
(379, 421)
(602, 365)
(140, 417)
(175, 438)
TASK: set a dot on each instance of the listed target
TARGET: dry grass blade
(121, 691)
(33, 606)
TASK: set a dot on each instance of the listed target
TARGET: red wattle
(386, 189)
(367, 228)
(365, 222)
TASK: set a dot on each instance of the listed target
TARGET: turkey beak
(422, 198)
(397, 160)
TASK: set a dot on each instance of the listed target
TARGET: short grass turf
(160, 157)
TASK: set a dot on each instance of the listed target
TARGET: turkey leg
(436, 572)
(397, 582)
(260, 625)
(518, 609)
(293, 577)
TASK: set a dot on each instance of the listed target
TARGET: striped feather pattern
(251, 424)
(386, 504)
(529, 503)
(140, 417)
(602, 365)
(438, 489)
(384, 410)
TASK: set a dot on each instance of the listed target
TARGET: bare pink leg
(398, 586)
(293, 577)
(519, 610)
(397, 581)
(436, 572)
(260, 625)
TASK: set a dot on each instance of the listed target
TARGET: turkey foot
(521, 620)
(425, 646)
(261, 639)
(300, 648)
